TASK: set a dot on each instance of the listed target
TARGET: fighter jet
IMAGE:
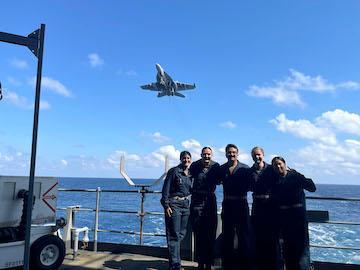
(166, 86)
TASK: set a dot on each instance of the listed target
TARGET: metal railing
(97, 210)
(142, 213)
(332, 222)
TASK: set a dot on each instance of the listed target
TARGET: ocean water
(320, 234)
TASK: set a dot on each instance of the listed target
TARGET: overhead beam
(31, 41)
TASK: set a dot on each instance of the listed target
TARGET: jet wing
(151, 87)
(184, 86)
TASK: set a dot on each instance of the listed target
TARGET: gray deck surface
(125, 261)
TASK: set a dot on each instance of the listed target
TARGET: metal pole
(142, 214)
(96, 218)
(33, 150)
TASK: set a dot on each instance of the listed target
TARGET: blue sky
(280, 74)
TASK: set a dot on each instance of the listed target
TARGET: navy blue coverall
(203, 210)
(289, 196)
(235, 216)
(176, 195)
(264, 220)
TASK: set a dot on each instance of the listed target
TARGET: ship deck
(124, 261)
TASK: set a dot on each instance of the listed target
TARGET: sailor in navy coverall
(236, 183)
(203, 210)
(176, 202)
(288, 193)
(264, 225)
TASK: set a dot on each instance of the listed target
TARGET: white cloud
(22, 102)
(95, 60)
(194, 147)
(286, 91)
(114, 158)
(157, 157)
(340, 159)
(325, 163)
(45, 105)
(300, 81)
(304, 129)
(55, 86)
(244, 157)
(325, 157)
(6, 158)
(278, 95)
(156, 137)
(350, 85)
(64, 162)
(228, 124)
(353, 143)
(17, 63)
(14, 99)
(154, 159)
(52, 85)
(191, 144)
(341, 120)
(147, 165)
(85, 163)
(13, 162)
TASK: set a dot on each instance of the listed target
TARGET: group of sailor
(275, 235)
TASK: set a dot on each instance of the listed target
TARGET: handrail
(142, 213)
(114, 211)
(335, 247)
(333, 198)
(158, 191)
(337, 222)
(110, 190)
(131, 232)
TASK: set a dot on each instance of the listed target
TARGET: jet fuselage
(164, 82)
(166, 86)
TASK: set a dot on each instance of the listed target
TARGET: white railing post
(70, 223)
(98, 190)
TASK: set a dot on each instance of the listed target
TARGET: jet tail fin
(178, 94)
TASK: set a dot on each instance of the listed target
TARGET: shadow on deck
(90, 260)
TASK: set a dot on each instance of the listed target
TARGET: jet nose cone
(159, 68)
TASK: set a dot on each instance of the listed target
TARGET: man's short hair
(206, 147)
(231, 145)
(257, 148)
